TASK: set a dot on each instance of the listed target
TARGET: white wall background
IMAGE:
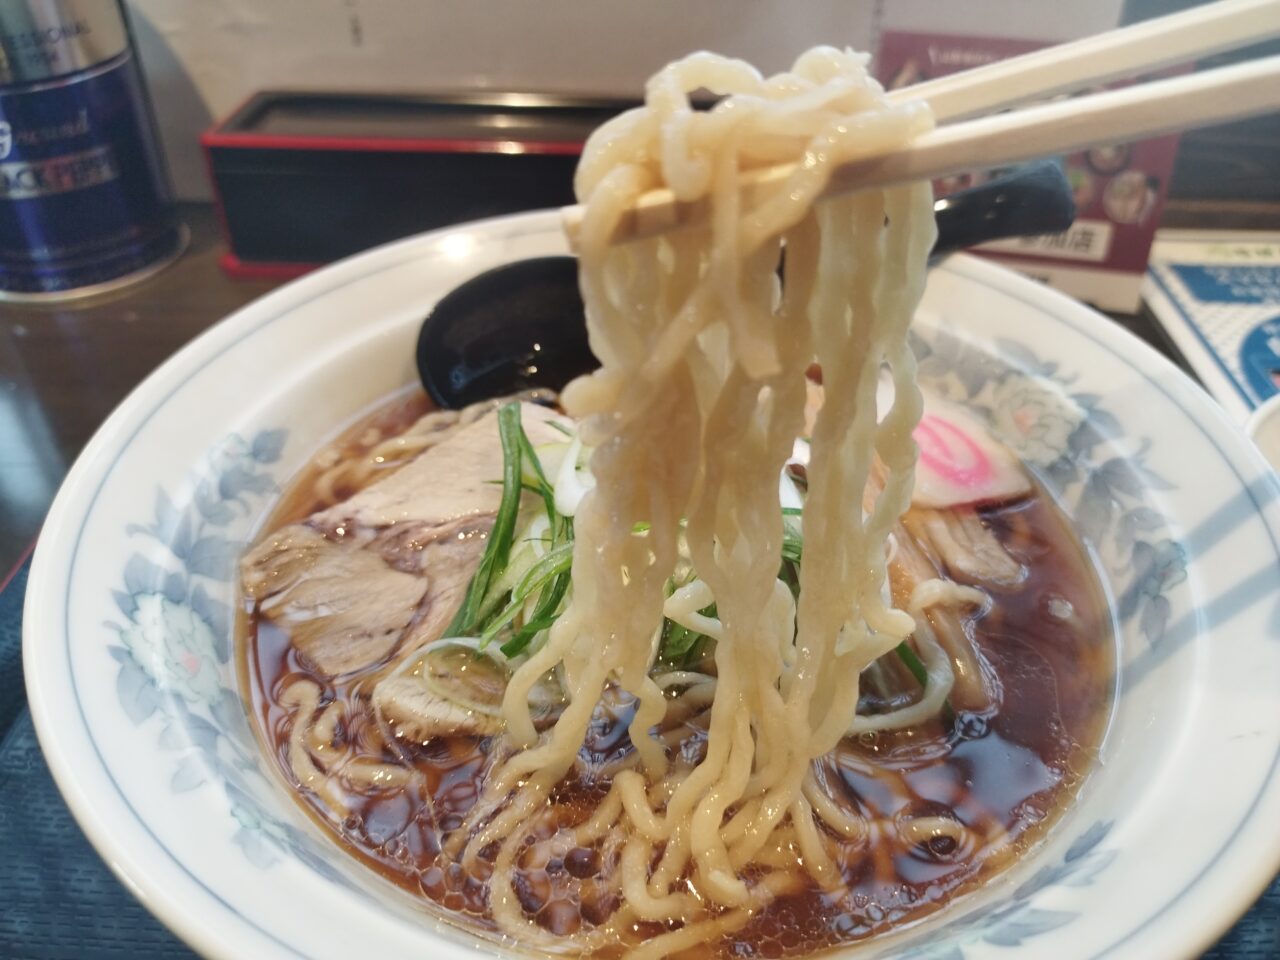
(203, 57)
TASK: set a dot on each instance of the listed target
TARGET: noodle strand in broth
(692, 415)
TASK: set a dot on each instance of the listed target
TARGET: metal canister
(85, 202)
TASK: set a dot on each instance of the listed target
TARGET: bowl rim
(1216, 909)
(1262, 416)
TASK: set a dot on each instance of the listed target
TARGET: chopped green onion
(498, 550)
(680, 644)
(792, 538)
(678, 641)
(913, 662)
(553, 563)
(544, 614)
(792, 545)
(542, 487)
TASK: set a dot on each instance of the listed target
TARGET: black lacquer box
(302, 178)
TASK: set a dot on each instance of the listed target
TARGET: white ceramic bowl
(128, 619)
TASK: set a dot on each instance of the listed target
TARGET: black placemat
(12, 698)
(58, 901)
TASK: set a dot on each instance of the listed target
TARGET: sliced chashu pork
(385, 571)
(413, 711)
(447, 689)
(341, 605)
(451, 688)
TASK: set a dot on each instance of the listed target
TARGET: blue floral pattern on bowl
(175, 645)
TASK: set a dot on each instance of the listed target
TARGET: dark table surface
(62, 370)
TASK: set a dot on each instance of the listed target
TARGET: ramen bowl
(131, 609)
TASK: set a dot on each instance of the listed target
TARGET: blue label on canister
(84, 199)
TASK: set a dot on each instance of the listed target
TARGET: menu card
(1218, 296)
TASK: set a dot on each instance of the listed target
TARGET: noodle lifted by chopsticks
(692, 415)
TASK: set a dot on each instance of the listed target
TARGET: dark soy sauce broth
(1013, 769)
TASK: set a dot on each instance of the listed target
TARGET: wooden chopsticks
(1114, 55)
(1131, 113)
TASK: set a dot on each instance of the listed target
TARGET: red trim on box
(233, 266)
(22, 558)
(254, 141)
